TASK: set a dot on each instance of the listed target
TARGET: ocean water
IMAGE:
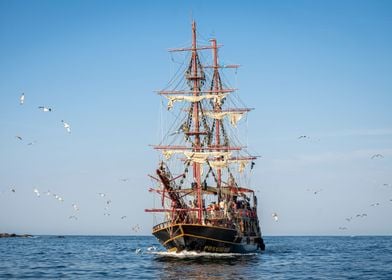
(134, 257)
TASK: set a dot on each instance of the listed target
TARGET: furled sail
(234, 117)
(175, 98)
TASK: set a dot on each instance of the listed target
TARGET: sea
(141, 257)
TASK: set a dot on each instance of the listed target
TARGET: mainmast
(217, 86)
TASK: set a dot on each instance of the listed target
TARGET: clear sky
(315, 68)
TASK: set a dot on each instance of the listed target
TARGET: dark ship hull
(205, 238)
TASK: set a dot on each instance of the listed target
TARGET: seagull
(36, 192)
(48, 192)
(123, 217)
(138, 251)
(75, 207)
(21, 99)
(275, 216)
(377, 156)
(101, 194)
(59, 198)
(73, 217)
(349, 219)
(31, 143)
(66, 126)
(13, 189)
(45, 109)
(136, 228)
(363, 215)
(108, 202)
(375, 204)
(314, 191)
(106, 214)
(124, 179)
(302, 137)
(342, 228)
(18, 137)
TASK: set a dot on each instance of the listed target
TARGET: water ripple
(75, 257)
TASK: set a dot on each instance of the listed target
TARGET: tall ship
(204, 200)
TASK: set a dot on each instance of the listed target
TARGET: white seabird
(45, 109)
(21, 99)
(36, 192)
(66, 126)
(377, 156)
(275, 216)
(75, 207)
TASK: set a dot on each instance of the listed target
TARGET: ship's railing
(162, 225)
(236, 214)
(214, 217)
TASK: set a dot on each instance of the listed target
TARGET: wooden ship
(204, 204)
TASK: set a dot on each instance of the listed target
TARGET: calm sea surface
(81, 257)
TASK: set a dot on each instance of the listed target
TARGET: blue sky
(315, 68)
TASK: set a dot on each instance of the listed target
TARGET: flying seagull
(275, 216)
(32, 143)
(75, 207)
(377, 156)
(36, 192)
(66, 126)
(302, 137)
(21, 99)
(342, 228)
(375, 204)
(123, 217)
(18, 137)
(73, 217)
(45, 109)
(101, 194)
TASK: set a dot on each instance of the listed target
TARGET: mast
(217, 108)
(195, 114)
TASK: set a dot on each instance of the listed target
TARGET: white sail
(177, 98)
(234, 117)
